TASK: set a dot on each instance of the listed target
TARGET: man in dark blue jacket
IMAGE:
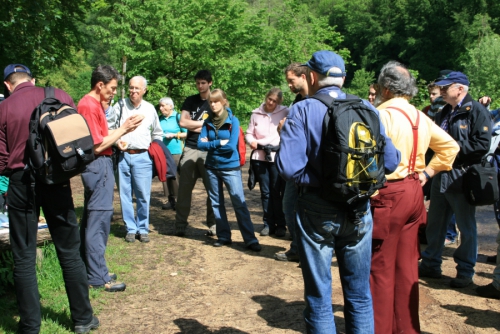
(469, 123)
(323, 227)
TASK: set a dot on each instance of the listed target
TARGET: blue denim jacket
(221, 157)
(299, 157)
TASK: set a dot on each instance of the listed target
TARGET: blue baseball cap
(452, 77)
(322, 61)
(15, 68)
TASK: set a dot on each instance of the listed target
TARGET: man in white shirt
(135, 168)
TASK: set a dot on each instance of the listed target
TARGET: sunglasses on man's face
(445, 88)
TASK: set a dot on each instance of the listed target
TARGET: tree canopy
(247, 43)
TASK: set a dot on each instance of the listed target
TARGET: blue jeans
(322, 229)
(451, 230)
(135, 172)
(289, 200)
(443, 206)
(270, 193)
(234, 185)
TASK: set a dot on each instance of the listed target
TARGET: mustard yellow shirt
(430, 135)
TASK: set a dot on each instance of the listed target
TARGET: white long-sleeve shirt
(147, 131)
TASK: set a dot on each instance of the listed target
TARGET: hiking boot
(111, 286)
(287, 256)
(93, 324)
(280, 232)
(488, 291)
(256, 247)
(461, 281)
(492, 259)
(429, 273)
(171, 201)
(170, 204)
(180, 231)
(130, 237)
(144, 238)
(212, 231)
(265, 231)
(220, 243)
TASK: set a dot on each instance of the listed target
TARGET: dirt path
(185, 285)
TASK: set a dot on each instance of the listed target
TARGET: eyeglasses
(445, 88)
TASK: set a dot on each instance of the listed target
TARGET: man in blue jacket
(323, 227)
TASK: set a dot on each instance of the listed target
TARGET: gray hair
(466, 88)
(324, 81)
(167, 101)
(142, 78)
(395, 77)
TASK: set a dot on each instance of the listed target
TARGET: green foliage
(360, 83)
(39, 33)
(422, 98)
(246, 47)
(6, 271)
(425, 35)
(482, 65)
(73, 76)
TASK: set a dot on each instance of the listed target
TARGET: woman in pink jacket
(263, 138)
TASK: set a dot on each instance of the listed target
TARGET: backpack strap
(413, 157)
(50, 92)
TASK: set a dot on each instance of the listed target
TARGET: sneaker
(111, 286)
(144, 238)
(488, 291)
(212, 231)
(256, 247)
(130, 237)
(287, 256)
(265, 231)
(280, 232)
(93, 324)
(448, 242)
(426, 272)
(461, 281)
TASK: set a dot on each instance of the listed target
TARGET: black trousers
(57, 204)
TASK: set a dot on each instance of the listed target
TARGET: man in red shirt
(98, 178)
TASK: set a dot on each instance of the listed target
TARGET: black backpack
(60, 144)
(352, 151)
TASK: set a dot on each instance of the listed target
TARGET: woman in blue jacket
(219, 136)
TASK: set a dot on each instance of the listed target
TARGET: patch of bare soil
(185, 285)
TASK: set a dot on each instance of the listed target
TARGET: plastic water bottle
(371, 166)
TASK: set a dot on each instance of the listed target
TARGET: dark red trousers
(398, 211)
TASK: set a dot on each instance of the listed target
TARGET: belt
(412, 176)
(136, 151)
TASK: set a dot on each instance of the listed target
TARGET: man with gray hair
(398, 209)
(324, 226)
(135, 168)
(469, 123)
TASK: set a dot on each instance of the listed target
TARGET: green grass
(56, 316)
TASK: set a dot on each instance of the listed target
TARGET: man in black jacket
(469, 123)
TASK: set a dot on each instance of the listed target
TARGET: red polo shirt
(95, 116)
